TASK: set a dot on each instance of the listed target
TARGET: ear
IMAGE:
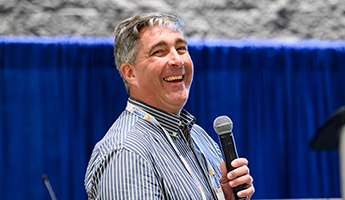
(128, 73)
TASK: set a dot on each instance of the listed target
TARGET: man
(154, 150)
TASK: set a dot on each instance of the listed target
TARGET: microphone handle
(228, 146)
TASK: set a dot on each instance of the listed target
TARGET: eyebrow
(163, 43)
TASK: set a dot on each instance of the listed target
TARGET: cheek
(148, 70)
(190, 70)
(188, 62)
(156, 69)
(151, 78)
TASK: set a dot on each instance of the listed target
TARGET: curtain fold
(59, 95)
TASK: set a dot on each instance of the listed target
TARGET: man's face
(163, 71)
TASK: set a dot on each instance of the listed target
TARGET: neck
(176, 110)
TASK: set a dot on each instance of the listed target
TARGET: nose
(175, 59)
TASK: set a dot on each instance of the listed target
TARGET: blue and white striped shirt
(135, 160)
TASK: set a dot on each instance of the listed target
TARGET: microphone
(223, 127)
(49, 187)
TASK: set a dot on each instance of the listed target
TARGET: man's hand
(238, 176)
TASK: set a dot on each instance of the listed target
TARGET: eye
(182, 49)
(158, 52)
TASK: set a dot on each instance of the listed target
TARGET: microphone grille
(222, 124)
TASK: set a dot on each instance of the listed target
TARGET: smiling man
(154, 150)
(163, 71)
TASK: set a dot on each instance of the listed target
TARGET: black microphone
(49, 187)
(223, 127)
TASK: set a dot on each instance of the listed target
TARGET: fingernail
(232, 183)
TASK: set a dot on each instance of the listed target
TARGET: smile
(173, 78)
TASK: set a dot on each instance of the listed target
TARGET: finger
(239, 162)
(223, 169)
(223, 179)
(242, 180)
(248, 192)
(240, 171)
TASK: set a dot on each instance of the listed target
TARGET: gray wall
(280, 19)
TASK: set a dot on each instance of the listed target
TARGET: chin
(178, 96)
(180, 100)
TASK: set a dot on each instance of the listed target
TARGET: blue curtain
(59, 95)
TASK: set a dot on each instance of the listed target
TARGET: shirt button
(174, 134)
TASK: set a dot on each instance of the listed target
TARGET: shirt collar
(168, 121)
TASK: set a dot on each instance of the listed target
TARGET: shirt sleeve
(128, 176)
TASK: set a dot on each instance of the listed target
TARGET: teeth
(173, 78)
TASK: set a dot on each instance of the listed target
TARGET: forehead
(158, 33)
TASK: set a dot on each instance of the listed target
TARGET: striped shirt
(134, 160)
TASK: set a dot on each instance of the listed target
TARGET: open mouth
(174, 78)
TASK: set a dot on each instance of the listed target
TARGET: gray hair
(126, 44)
